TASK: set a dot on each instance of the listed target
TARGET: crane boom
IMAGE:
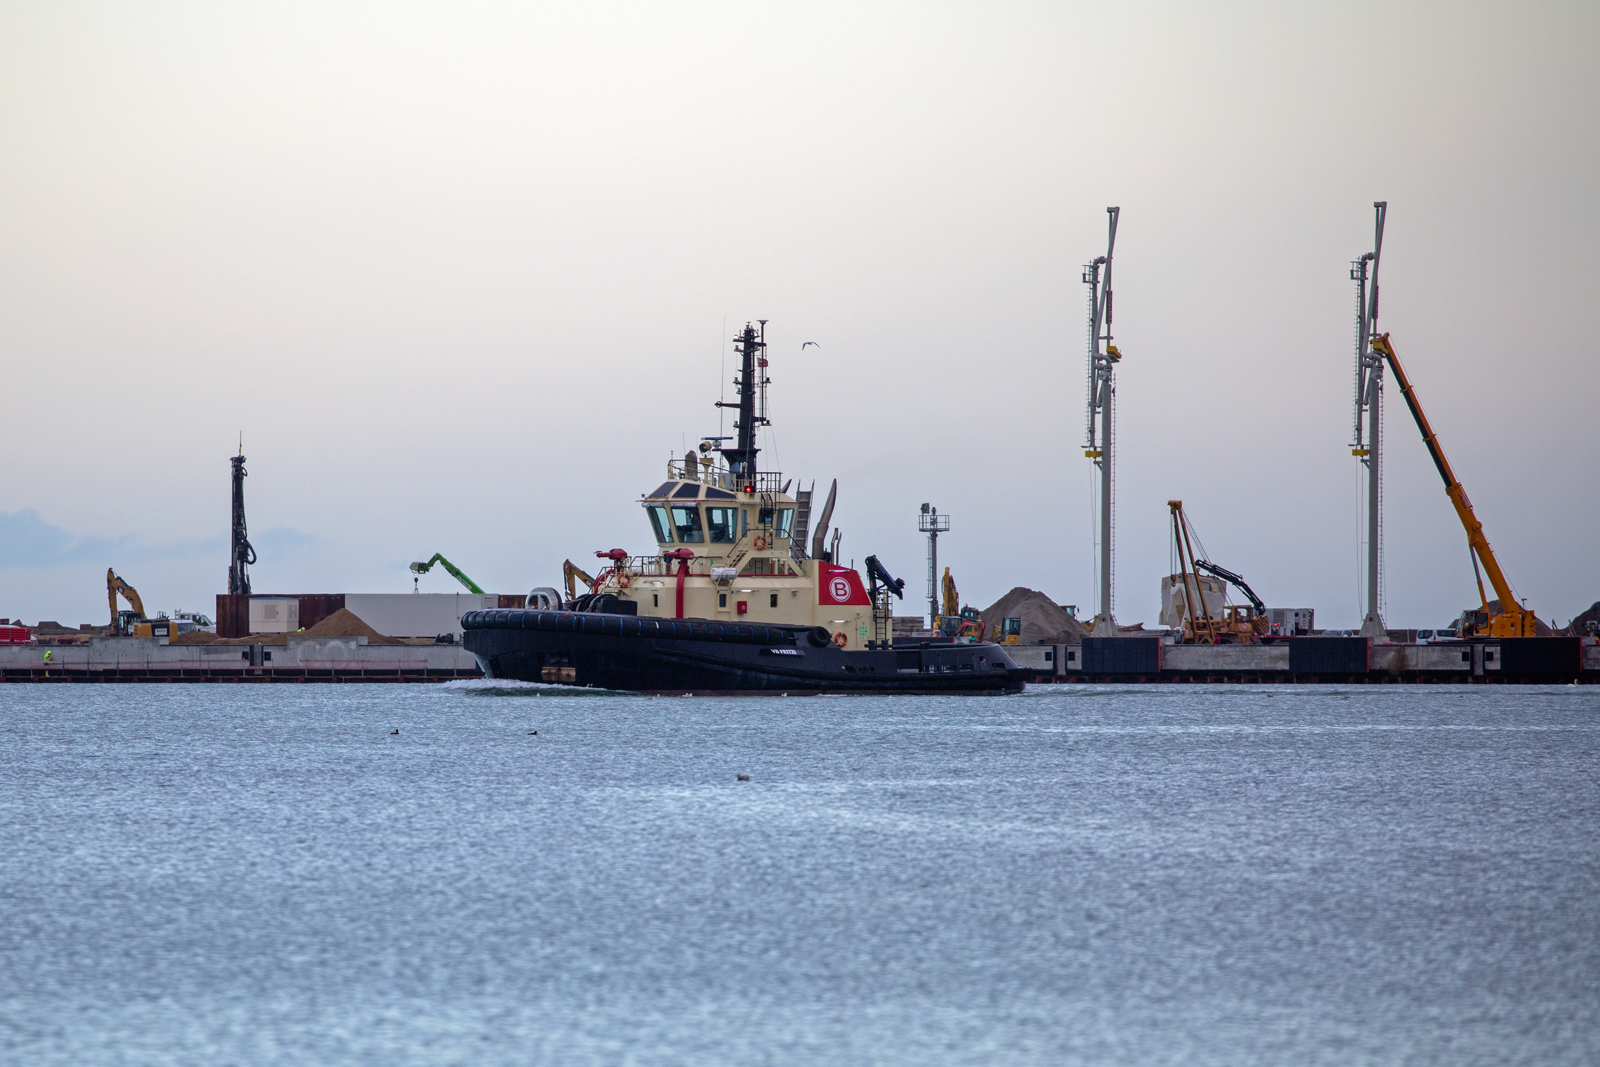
(423, 568)
(1228, 576)
(1514, 620)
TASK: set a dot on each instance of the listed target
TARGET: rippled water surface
(1233, 875)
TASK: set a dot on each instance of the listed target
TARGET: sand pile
(1044, 622)
(1578, 627)
(346, 623)
(342, 623)
(257, 639)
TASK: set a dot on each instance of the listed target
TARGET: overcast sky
(463, 275)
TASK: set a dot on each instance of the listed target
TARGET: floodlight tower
(1368, 410)
(933, 524)
(1102, 388)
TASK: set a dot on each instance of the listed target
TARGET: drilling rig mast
(243, 554)
(1368, 411)
(1102, 389)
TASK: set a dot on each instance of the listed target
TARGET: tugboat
(733, 601)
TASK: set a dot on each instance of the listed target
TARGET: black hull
(650, 655)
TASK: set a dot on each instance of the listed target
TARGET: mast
(1368, 411)
(242, 554)
(751, 345)
(1102, 388)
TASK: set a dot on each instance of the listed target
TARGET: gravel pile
(1044, 622)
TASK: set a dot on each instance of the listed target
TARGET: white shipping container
(1292, 621)
(274, 615)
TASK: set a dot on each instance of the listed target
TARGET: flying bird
(803, 347)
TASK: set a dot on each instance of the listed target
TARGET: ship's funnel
(819, 537)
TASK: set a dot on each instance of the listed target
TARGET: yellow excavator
(573, 573)
(132, 623)
(963, 624)
(1512, 620)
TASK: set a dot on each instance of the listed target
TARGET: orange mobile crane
(1512, 620)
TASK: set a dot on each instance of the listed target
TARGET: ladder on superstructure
(802, 522)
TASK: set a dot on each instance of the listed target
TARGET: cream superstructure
(726, 550)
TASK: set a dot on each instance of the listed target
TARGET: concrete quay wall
(1475, 662)
(300, 659)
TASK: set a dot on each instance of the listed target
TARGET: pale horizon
(465, 278)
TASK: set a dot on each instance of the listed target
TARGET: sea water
(478, 874)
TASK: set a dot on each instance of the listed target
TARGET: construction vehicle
(134, 623)
(1009, 631)
(123, 622)
(571, 573)
(1513, 619)
(455, 572)
(963, 624)
(1235, 623)
(1235, 580)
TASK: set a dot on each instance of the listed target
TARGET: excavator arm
(115, 585)
(455, 572)
(1514, 620)
(571, 572)
(1228, 576)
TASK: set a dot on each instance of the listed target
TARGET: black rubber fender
(634, 626)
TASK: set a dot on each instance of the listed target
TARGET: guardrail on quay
(299, 659)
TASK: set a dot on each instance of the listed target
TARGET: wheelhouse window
(723, 523)
(785, 522)
(661, 522)
(686, 520)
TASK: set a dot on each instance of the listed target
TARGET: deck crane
(455, 572)
(883, 585)
(1513, 620)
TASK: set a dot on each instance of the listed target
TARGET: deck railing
(722, 478)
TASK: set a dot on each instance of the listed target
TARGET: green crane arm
(423, 568)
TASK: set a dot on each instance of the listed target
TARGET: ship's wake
(511, 687)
